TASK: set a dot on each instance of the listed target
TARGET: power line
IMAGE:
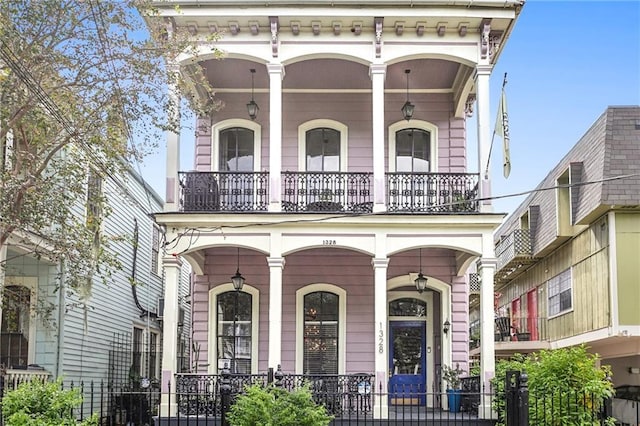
(197, 231)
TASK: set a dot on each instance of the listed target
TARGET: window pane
(14, 338)
(323, 150)
(236, 150)
(234, 330)
(408, 307)
(321, 333)
(413, 150)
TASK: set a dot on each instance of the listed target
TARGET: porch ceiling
(433, 75)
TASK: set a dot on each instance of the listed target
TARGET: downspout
(132, 279)
(61, 311)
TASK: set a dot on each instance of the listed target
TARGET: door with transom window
(407, 351)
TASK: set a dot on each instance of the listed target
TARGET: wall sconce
(252, 107)
(421, 281)
(446, 326)
(237, 279)
(408, 108)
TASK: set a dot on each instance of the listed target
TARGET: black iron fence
(354, 399)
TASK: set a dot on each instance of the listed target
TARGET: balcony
(329, 192)
(432, 192)
(512, 335)
(333, 192)
(514, 254)
(224, 191)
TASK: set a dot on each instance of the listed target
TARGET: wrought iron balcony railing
(327, 192)
(224, 191)
(432, 192)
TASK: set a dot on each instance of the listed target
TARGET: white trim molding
(342, 319)
(213, 322)
(228, 124)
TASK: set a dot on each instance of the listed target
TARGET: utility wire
(190, 232)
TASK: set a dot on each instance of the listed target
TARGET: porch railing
(432, 192)
(224, 191)
(327, 192)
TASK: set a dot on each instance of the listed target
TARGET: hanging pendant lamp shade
(408, 107)
(252, 106)
(237, 279)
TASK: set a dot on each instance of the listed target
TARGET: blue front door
(407, 363)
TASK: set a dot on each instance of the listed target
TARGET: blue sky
(566, 63)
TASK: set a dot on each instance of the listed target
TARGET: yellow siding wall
(628, 267)
(588, 254)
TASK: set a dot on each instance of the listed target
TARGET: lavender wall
(353, 110)
(346, 269)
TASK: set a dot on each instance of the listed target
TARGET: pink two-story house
(333, 187)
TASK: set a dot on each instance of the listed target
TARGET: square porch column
(486, 268)
(172, 267)
(483, 73)
(276, 74)
(380, 404)
(276, 265)
(378, 73)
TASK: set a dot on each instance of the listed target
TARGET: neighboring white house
(335, 179)
(117, 338)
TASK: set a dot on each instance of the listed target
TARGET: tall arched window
(234, 329)
(320, 335)
(322, 150)
(236, 150)
(413, 150)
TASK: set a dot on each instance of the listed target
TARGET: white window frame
(342, 319)
(560, 278)
(212, 355)
(155, 249)
(322, 123)
(414, 124)
(231, 123)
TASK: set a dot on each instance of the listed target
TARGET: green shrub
(566, 387)
(272, 406)
(35, 403)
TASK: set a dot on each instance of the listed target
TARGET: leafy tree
(79, 82)
(272, 406)
(37, 403)
(566, 386)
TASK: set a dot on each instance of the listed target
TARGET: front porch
(351, 399)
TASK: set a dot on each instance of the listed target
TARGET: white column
(172, 191)
(171, 266)
(378, 73)
(483, 73)
(276, 265)
(381, 350)
(486, 269)
(276, 74)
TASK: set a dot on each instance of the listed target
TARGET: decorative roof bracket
(378, 25)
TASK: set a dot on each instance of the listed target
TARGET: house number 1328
(380, 340)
